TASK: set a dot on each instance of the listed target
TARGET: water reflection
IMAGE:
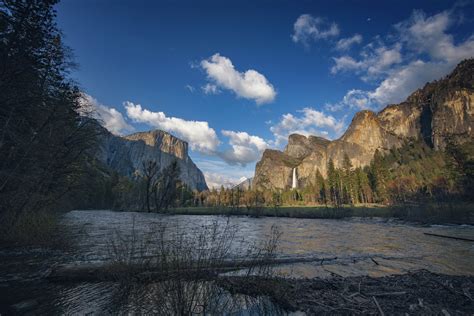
(321, 248)
(397, 247)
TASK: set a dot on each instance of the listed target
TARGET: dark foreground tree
(43, 138)
(166, 187)
(150, 175)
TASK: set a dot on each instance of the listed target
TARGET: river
(318, 247)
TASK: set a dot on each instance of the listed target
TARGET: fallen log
(113, 271)
(450, 237)
(140, 271)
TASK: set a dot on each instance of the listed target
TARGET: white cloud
(109, 117)
(218, 172)
(197, 133)
(423, 35)
(428, 35)
(245, 148)
(249, 84)
(358, 99)
(346, 43)
(311, 122)
(405, 80)
(345, 63)
(376, 60)
(190, 88)
(354, 99)
(210, 88)
(308, 28)
(423, 51)
(382, 59)
(217, 180)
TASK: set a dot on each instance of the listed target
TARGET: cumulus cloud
(376, 60)
(210, 89)
(216, 180)
(428, 34)
(219, 172)
(395, 88)
(346, 43)
(421, 50)
(109, 117)
(402, 82)
(249, 84)
(245, 148)
(345, 63)
(198, 134)
(311, 122)
(307, 28)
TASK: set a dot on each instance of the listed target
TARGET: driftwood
(143, 272)
(450, 237)
(413, 293)
(111, 271)
(378, 306)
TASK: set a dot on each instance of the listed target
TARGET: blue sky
(235, 77)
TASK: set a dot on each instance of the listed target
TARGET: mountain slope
(127, 154)
(440, 110)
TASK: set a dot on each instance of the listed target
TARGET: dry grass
(174, 270)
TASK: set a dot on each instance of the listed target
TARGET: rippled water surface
(349, 247)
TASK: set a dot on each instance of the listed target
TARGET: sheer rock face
(166, 142)
(442, 109)
(127, 154)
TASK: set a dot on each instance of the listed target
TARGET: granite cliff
(441, 109)
(126, 155)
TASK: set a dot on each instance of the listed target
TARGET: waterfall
(294, 184)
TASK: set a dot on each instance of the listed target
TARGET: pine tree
(347, 180)
(320, 188)
(378, 176)
(333, 183)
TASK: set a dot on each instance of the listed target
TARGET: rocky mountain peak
(363, 127)
(298, 146)
(162, 140)
(126, 155)
(440, 110)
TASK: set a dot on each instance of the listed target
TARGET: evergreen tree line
(412, 173)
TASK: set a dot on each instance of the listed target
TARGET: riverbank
(420, 292)
(323, 262)
(457, 213)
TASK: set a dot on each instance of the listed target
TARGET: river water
(317, 248)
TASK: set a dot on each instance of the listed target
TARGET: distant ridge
(127, 154)
(441, 109)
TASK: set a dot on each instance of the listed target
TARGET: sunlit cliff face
(440, 110)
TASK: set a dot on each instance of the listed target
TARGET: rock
(127, 154)
(440, 110)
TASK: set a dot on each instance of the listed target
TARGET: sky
(233, 78)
